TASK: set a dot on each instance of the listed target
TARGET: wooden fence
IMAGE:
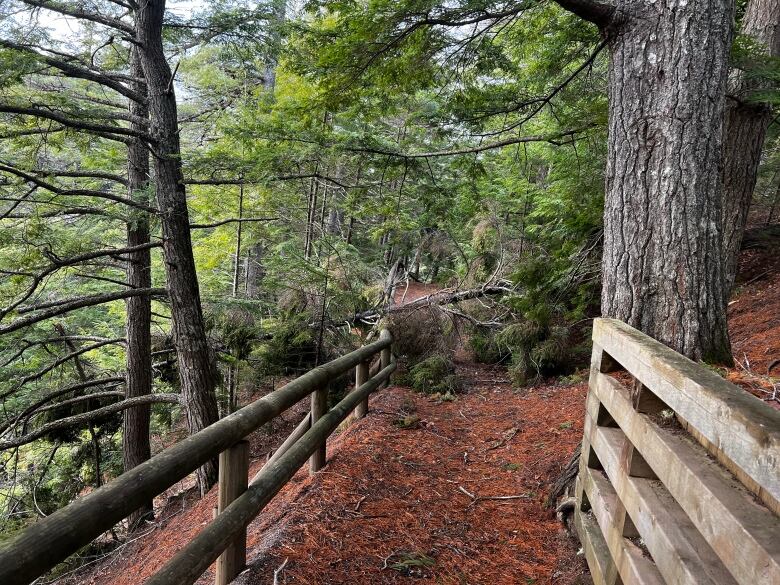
(679, 479)
(52, 539)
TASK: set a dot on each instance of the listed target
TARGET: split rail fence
(54, 538)
(679, 478)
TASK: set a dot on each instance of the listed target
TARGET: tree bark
(197, 370)
(662, 263)
(744, 133)
(135, 441)
(255, 271)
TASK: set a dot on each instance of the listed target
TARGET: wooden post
(233, 480)
(596, 415)
(361, 377)
(319, 406)
(386, 355)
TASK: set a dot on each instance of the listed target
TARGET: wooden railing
(52, 539)
(679, 479)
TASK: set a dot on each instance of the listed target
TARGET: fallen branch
(508, 436)
(438, 298)
(476, 499)
(279, 570)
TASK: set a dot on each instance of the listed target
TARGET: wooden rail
(52, 539)
(679, 478)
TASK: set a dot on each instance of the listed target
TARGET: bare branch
(6, 168)
(67, 64)
(196, 226)
(57, 263)
(87, 417)
(108, 132)
(57, 394)
(72, 10)
(552, 139)
(69, 305)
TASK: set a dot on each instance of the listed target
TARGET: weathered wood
(297, 433)
(632, 566)
(680, 552)
(741, 532)
(595, 548)
(52, 539)
(319, 406)
(233, 481)
(745, 432)
(385, 355)
(361, 375)
(190, 562)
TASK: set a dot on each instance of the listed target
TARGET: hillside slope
(393, 503)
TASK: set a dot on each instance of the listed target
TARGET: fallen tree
(442, 297)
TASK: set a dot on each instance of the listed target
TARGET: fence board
(680, 552)
(743, 533)
(631, 563)
(737, 424)
(645, 475)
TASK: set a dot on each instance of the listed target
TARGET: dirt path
(394, 504)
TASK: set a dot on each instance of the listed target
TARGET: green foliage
(435, 374)
(291, 349)
(485, 347)
(538, 348)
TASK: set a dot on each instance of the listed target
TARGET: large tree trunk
(135, 442)
(662, 266)
(197, 371)
(744, 133)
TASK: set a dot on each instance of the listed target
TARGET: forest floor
(412, 491)
(406, 495)
(754, 323)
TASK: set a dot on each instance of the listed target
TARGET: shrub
(485, 348)
(539, 350)
(435, 374)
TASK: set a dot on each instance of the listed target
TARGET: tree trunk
(237, 265)
(255, 271)
(135, 441)
(197, 371)
(744, 133)
(662, 264)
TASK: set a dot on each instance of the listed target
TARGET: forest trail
(393, 503)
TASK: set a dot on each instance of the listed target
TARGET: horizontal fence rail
(679, 478)
(53, 539)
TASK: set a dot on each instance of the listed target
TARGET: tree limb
(599, 13)
(87, 417)
(57, 263)
(99, 129)
(69, 305)
(196, 226)
(6, 168)
(72, 10)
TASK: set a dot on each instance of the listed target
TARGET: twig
(360, 501)
(476, 499)
(468, 493)
(278, 571)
